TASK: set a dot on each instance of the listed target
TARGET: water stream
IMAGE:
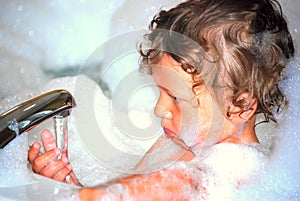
(61, 132)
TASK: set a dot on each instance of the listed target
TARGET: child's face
(184, 115)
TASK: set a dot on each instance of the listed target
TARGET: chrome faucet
(28, 114)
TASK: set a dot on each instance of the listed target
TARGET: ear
(239, 115)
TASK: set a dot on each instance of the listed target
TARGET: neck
(245, 134)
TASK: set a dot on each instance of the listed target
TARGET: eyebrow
(159, 86)
(172, 93)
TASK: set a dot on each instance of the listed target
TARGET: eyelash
(175, 99)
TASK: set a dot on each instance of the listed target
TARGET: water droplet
(13, 125)
(296, 30)
(20, 7)
(31, 33)
(56, 191)
(22, 70)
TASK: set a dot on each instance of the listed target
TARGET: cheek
(189, 117)
(211, 121)
(206, 115)
(206, 107)
(177, 118)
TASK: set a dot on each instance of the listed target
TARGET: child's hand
(48, 163)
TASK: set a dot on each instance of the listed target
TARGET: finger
(64, 152)
(63, 173)
(34, 151)
(72, 179)
(48, 140)
(44, 159)
(53, 168)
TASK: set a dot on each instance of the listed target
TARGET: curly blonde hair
(247, 42)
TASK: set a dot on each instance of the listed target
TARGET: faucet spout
(28, 114)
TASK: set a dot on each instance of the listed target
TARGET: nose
(162, 112)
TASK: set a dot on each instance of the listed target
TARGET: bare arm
(184, 154)
(178, 182)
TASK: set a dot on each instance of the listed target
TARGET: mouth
(169, 133)
(175, 139)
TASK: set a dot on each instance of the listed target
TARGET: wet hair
(245, 42)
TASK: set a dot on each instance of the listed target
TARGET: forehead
(167, 67)
(168, 74)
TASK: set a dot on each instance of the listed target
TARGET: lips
(177, 140)
(169, 132)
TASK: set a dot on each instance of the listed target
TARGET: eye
(175, 99)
